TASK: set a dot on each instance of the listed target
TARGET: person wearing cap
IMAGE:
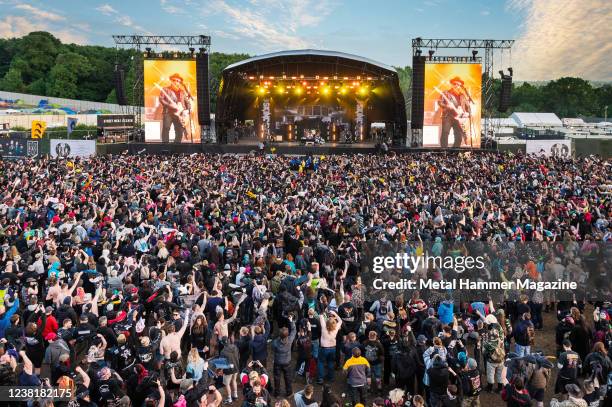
(575, 398)
(455, 107)
(55, 349)
(176, 108)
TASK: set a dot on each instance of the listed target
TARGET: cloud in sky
(12, 26)
(121, 19)
(272, 24)
(563, 38)
(41, 14)
(106, 9)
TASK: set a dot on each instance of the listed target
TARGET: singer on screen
(176, 102)
(455, 107)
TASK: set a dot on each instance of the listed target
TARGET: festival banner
(62, 148)
(549, 148)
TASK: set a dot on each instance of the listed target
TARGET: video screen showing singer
(177, 110)
(455, 105)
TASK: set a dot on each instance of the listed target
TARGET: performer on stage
(456, 113)
(176, 102)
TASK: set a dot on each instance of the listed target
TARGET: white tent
(536, 119)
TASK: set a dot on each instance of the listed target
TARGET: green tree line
(38, 63)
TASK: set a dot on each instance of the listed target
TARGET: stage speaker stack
(418, 91)
(203, 79)
(506, 93)
(120, 85)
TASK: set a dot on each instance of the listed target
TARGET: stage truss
(489, 47)
(136, 107)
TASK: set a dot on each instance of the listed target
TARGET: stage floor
(251, 146)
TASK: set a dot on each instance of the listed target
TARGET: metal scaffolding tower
(489, 47)
(136, 42)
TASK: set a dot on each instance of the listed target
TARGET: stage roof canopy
(301, 54)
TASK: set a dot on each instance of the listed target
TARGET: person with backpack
(470, 385)
(597, 364)
(569, 365)
(523, 335)
(374, 353)
(494, 356)
(407, 364)
(538, 381)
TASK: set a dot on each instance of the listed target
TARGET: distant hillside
(40, 64)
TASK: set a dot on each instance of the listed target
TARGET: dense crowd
(208, 279)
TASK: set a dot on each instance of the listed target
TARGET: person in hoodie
(445, 311)
(281, 346)
(230, 376)
(57, 347)
(305, 398)
(5, 314)
(515, 394)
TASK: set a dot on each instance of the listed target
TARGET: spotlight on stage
(431, 52)
(261, 91)
(298, 90)
(363, 90)
(280, 90)
(325, 90)
(474, 53)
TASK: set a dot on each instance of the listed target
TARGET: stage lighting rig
(192, 52)
(431, 53)
(474, 53)
(511, 71)
(148, 52)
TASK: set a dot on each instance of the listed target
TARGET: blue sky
(554, 37)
